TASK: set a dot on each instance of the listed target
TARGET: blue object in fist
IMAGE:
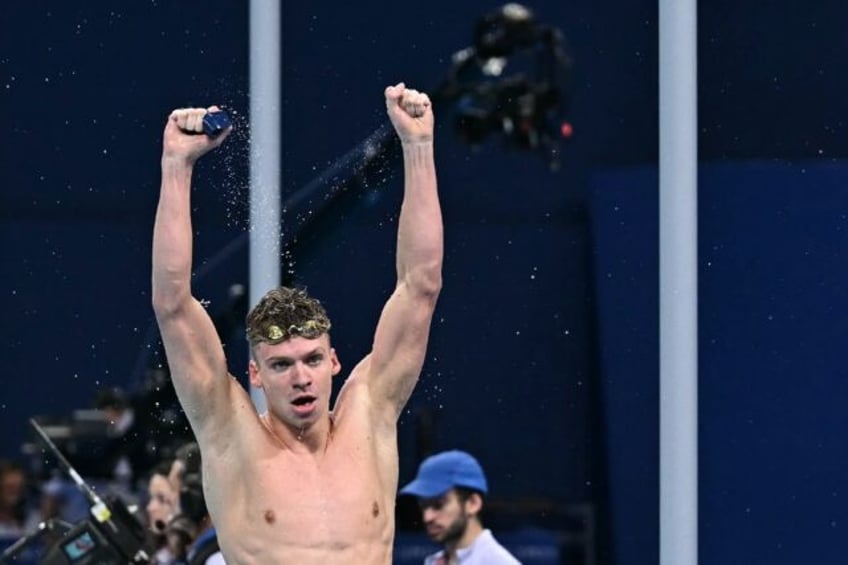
(216, 122)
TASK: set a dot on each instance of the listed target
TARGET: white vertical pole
(265, 147)
(678, 282)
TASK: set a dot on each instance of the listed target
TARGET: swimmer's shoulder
(236, 428)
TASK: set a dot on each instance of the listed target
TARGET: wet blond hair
(284, 313)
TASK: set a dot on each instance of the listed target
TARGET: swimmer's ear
(334, 360)
(253, 373)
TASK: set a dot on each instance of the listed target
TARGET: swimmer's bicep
(400, 343)
(195, 357)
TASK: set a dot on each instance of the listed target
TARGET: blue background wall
(543, 357)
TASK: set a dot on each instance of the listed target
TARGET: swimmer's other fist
(411, 113)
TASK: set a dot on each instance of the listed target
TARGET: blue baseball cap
(441, 472)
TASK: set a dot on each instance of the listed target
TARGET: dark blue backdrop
(772, 381)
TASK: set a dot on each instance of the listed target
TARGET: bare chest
(338, 494)
(341, 503)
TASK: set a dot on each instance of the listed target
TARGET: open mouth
(304, 403)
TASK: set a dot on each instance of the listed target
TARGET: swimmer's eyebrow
(276, 358)
(319, 350)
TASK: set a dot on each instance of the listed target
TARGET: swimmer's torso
(273, 505)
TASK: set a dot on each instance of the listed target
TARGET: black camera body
(118, 540)
(110, 535)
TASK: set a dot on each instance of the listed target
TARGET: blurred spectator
(202, 548)
(450, 487)
(186, 462)
(162, 507)
(192, 534)
(17, 515)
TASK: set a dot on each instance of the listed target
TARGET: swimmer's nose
(300, 378)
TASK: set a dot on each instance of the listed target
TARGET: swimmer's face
(296, 375)
(446, 517)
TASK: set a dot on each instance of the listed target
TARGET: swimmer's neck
(313, 438)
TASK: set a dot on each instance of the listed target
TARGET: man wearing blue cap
(450, 488)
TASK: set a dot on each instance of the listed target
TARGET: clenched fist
(184, 139)
(411, 113)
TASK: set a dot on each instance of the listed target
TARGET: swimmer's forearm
(420, 238)
(172, 237)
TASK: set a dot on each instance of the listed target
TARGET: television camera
(514, 80)
(110, 535)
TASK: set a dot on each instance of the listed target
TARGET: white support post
(265, 151)
(678, 282)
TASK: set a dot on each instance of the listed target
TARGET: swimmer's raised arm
(402, 333)
(193, 348)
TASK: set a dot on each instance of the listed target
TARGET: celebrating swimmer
(300, 483)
